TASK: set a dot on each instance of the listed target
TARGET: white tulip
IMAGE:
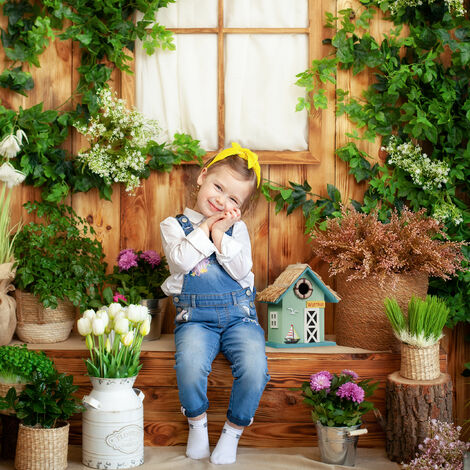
(145, 327)
(121, 326)
(10, 176)
(103, 316)
(114, 309)
(9, 146)
(90, 314)
(108, 346)
(98, 326)
(128, 338)
(137, 313)
(84, 326)
(20, 134)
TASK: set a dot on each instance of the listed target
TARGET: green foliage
(57, 259)
(424, 323)
(421, 96)
(17, 364)
(46, 402)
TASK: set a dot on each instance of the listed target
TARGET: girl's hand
(206, 226)
(229, 218)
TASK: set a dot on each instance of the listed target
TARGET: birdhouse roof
(289, 276)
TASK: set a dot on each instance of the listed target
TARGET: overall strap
(187, 226)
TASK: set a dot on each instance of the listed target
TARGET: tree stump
(410, 404)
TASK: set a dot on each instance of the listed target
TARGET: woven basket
(420, 363)
(4, 390)
(37, 324)
(360, 319)
(41, 449)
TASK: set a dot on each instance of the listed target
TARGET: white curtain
(179, 88)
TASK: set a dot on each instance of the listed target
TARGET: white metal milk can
(112, 424)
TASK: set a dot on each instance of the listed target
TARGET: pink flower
(350, 372)
(351, 391)
(127, 259)
(117, 297)
(320, 381)
(151, 257)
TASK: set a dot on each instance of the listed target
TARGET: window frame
(314, 122)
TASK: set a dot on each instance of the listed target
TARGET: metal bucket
(112, 424)
(157, 310)
(338, 444)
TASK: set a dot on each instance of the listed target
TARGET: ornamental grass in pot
(420, 332)
(373, 260)
(59, 266)
(44, 408)
(338, 404)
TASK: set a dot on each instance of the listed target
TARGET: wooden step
(282, 420)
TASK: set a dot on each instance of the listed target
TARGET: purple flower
(351, 391)
(325, 372)
(350, 372)
(127, 259)
(320, 381)
(151, 257)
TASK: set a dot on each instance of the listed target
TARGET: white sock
(226, 449)
(198, 439)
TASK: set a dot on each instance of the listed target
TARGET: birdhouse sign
(296, 308)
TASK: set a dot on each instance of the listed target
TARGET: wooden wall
(133, 221)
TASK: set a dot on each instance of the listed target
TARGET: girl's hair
(240, 166)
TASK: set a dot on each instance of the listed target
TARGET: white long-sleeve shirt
(184, 252)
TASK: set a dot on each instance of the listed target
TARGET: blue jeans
(207, 324)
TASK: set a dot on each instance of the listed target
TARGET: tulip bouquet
(114, 338)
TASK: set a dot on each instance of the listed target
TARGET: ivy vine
(104, 31)
(418, 106)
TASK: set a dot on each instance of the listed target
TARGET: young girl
(209, 255)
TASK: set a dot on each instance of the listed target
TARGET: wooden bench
(282, 420)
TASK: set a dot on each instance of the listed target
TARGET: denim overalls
(213, 313)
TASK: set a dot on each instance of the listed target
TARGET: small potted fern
(419, 332)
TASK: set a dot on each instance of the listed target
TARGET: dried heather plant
(361, 246)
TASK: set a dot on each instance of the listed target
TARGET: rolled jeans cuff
(193, 414)
(239, 422)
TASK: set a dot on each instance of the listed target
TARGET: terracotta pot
(360, 319)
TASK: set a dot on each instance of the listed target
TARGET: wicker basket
(41, 449)
(360, 319)
(4, 390)
(420, 363)
(37, 324)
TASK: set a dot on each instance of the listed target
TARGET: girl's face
(221, 189)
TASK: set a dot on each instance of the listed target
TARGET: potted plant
(338, 404)
(17, 364)
(44, 408)
(113, 419)
(372, 260)
(419, 332)
(137, 278)
(9, 177)
(59, 265)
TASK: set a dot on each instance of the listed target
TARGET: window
(273, 320)
(232, 76)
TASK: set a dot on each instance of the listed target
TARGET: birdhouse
(296, 308)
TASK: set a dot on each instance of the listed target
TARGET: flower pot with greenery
(337, 402)
(9, 177)
(372, 260)
(17, 364)
(59, 266)
(44, 408)
(419, 332)
(137, 278)
(113, 420)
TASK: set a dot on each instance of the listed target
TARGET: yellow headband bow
(246, 154)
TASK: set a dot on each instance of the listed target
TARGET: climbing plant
(105, 32)
(419, 109)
